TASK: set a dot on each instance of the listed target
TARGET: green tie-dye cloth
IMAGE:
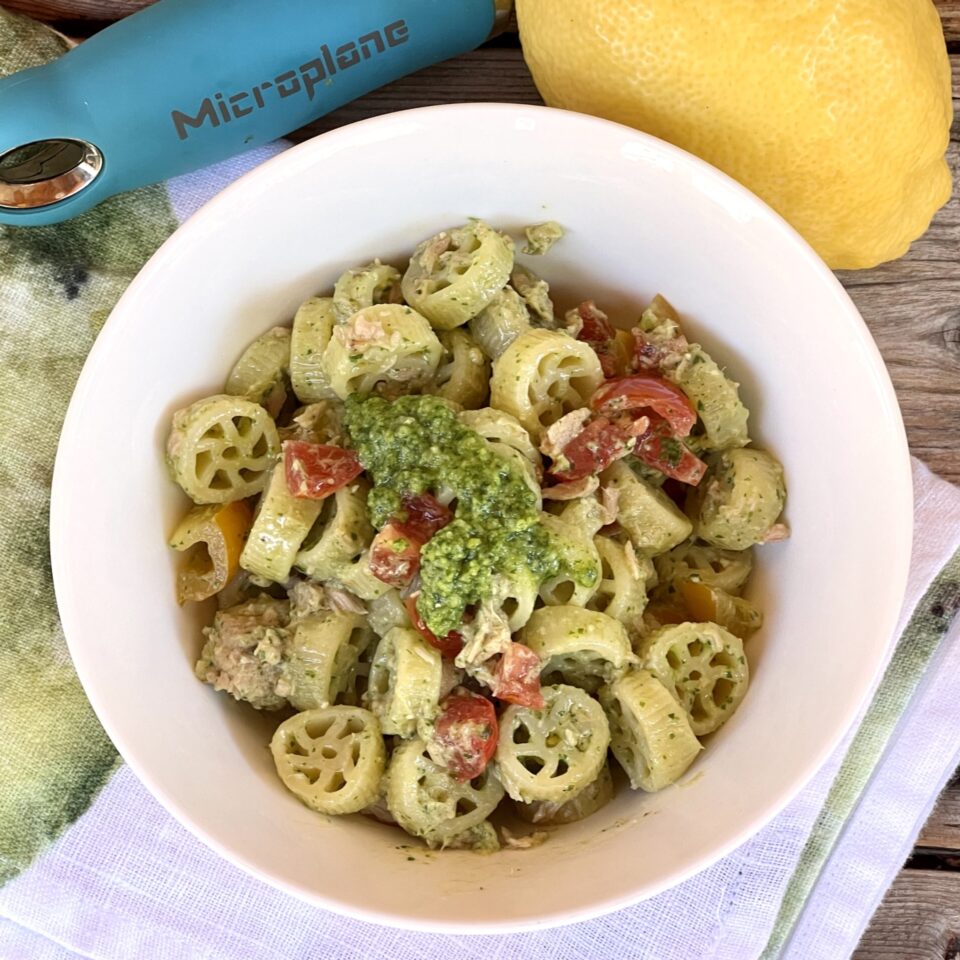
(126, 881)
(57, 286)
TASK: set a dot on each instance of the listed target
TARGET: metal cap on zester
(46, 171)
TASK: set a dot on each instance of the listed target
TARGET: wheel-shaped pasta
(740, 499)
(463, 376)
(428, 803)
(650, 734)
(518, 596)
(726, 569)
(588, 801)
(652, 521)
(585, 513)
(279, 528)
(341, 534)
(387, 346)
(554, 753)
(405, 679)
(221, 449)
(497, 426)
(457, 273)
(622, 592)
(212, 537)
(260, 373)
(322, 657)
(331, 759)
(312, 328)
(704, 668)
(578, 647)
(364, 286)
(500, 322)
(543, 375)
(580, 564)
(357, 577)
(535, 293)
(715, 397)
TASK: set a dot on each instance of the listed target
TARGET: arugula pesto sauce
(416, 444)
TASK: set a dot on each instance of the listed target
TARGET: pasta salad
(476, 552)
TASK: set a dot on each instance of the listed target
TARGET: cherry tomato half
(466, 732)
(315, 470)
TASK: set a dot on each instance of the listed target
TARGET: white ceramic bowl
(641, 217)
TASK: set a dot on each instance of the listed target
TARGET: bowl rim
(899, 492)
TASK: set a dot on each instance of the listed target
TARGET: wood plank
(942, 830)
(105, 10)
(912, 306)
(919, 919)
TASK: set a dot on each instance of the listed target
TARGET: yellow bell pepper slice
(212, 537)
(711, 604)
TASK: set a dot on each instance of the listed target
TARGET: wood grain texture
(912, 306)
(106, 10)
(919, 919)
(942, 830)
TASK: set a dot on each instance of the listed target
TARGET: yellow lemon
(836, 112)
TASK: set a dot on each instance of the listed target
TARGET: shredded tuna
(527, 842)
(632, 563)
(779, 531)
(243, 653)
(488, 636)
(344, 601)
(362, 331)
(307, 597)
(559, 434)
(610, 501)
(572, 489)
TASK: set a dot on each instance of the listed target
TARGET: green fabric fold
(57, 286)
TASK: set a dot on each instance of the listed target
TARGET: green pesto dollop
(416, 444)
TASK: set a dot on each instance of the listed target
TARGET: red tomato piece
(466, 732)
(449, 646)
(395, 551)
(425, 515)
(661, 449)
(395, 555)
(641, 392)
(597, 330)
(593, 449)
(315, 470)
(517, 677)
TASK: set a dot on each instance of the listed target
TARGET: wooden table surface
(912, 307)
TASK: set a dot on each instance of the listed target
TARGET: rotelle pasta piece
(650, 734)
(331, 758)
(455, 274)
(386, 346)
(428, 802)
(312, 328)
(703, 666)
(554, 753)
(543, 375)
(222, 448)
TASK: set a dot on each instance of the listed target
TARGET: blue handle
(185, 83)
